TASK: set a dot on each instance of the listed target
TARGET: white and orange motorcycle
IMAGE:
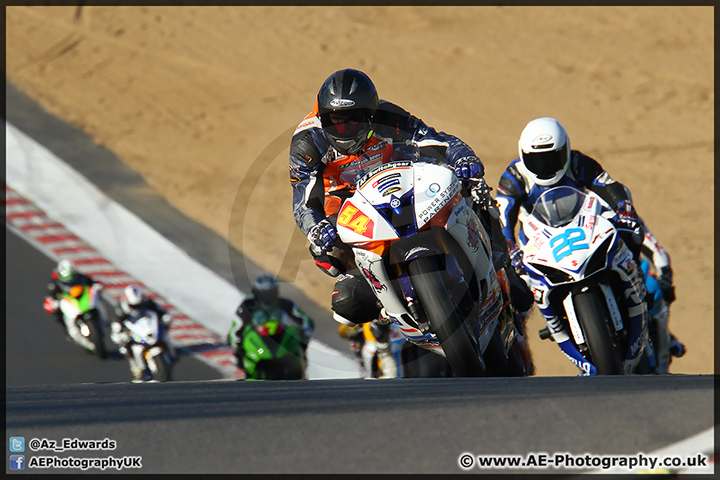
(427, 256)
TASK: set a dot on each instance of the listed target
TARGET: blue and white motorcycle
(585, 281)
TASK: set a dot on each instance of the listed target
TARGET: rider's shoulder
(583, 165)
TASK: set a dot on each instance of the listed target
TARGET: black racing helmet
(265, 289)
(346, 104)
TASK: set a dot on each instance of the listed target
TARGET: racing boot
(677, 349)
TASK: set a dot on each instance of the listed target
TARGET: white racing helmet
(544, 150)
(133, 296)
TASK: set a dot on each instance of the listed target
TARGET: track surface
(351, 426)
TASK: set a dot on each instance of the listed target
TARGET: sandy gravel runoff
(202, 102)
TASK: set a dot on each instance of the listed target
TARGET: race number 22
(567, 242)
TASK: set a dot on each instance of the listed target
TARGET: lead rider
(350, 129)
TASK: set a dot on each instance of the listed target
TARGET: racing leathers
(321, 178)
(517, 193)
(252, 312)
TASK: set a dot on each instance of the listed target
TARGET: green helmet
(66, 271)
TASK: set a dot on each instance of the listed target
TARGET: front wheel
(594, 321)
(452, 332)
(94, 335)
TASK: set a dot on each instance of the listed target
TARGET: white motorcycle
(428, 259)
(149, 348)
(581, 271)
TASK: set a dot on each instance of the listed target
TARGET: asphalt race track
(351, 426)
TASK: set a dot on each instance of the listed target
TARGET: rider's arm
(306, 180)
(510, 195)
(591, 175)
(395, 122)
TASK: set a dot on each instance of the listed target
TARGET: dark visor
(545, 164)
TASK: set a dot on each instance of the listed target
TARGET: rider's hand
(480, 193)
(627, 216)
(665, 279)
(50, 305)
(323, 235)
(516, 258)
(469, 167)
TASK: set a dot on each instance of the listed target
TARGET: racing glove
(481, 194)
(627, 216)
(323, 235)
(469, 167)
(516, 258)
(50, 305)
(666, 284)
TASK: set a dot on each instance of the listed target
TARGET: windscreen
(558, 206)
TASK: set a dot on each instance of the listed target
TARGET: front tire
(594, 321)
(452, 332)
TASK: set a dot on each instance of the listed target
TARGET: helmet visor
(546, 164)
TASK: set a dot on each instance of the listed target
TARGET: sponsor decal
(376, 284)
(395, 202)
(540, 139)
(391, 191)
(381, 169)
(439, 201)
(378, 146)
(384, 179)
(342, 102)
(473, 238)
(432, 190)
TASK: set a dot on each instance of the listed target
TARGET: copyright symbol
(34, 444)
(466, 461)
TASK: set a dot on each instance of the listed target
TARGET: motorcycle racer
(348, 131)
(133, 303)
(62, 278)
(263, 301)
(546, 161)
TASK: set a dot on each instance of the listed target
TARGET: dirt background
(202, 102)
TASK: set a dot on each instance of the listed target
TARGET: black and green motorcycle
(273, 349)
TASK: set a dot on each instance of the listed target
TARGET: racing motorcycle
(148, 346)
(579, 266)
(428, 259)
(273, 350)
(83, 316)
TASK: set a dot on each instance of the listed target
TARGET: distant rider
(259, 306)
(349, 131)
(133, 304)
(546, 161)
(63, 277)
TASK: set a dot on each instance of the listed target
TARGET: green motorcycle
(83, 317)
(273, 349)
